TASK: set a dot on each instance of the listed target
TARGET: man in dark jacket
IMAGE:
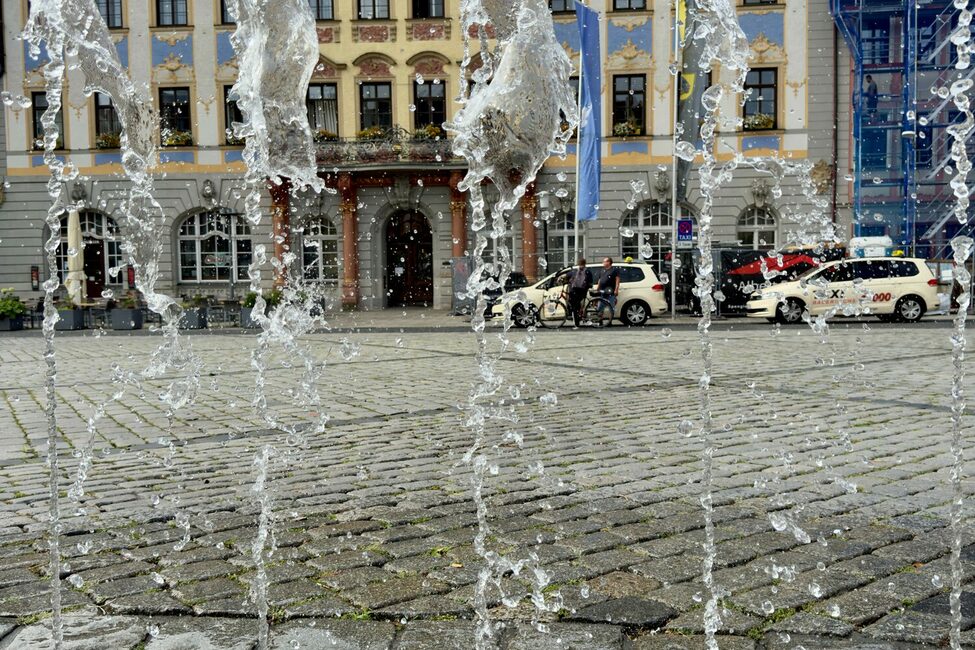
(580, 282)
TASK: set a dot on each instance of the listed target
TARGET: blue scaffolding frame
(899, 123)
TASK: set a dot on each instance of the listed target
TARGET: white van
(642, 295)
(892, 288)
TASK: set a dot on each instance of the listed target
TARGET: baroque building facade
(393, 219)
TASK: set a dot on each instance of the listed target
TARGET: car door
(879, 284)
(830, 288)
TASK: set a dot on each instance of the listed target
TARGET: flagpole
(582, 68)
(674, 208)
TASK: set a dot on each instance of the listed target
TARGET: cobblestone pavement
(844, 441)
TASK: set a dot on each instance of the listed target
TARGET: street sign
(685, 233)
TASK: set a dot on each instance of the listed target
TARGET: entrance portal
(409, 260)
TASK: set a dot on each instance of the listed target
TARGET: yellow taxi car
(891, 288)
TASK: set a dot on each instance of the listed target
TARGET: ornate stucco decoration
(629, 56)
(173, 38)
(760, 192)
(78, 192)
(765, 51)
(661, 185)
(630, 23)
(822, 175)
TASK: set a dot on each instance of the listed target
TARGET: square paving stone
(328, 606)
(334, 635)
(565, 636)
(808, 623)
(629, 610)
(350, 578)
(83, 633)
(103, 591)
(911, 627)
(235, 606)
(199, 571)
(346, 560)
(437, 635)
(40, 604)
(185, 633)
(732, 622)
(6, 626)
(395, 590)
(156, 603)
(427, 607)
(673, 642)
(18, 576)
(208, 590)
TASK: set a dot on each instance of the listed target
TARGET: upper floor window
(562, 6)
(629, 104)
(225, 17)
(761, 111)
(172, 12)
(431, 104)
(38, 108)
(376, 105)
(629, 5)
(322, 9)
(760, 2)
(231, 115)
(428, 8)
(373, 9)
(756, 228)
(175, 120)
(323, 109)
(111, 11)
(108, 127)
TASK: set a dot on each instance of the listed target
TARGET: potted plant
(758, 122)
(108, 141)
(128, 315)
(195, 313)
(173, 138)
(12, 311)
(324, 135)
(371, 133)
(271, 298)
(626, 129)
(69, 318)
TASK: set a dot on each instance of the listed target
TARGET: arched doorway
(101, 250)
(409, 260)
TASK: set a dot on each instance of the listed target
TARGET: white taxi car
(641, 296)
(892, 288)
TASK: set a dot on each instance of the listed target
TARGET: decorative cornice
(630, 23)
(172, 38)
(765, 51)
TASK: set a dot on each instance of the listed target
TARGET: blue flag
(589, 142)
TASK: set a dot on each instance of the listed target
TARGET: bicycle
(597, 311)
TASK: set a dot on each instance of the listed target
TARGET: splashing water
(508, 127)
(715, 24)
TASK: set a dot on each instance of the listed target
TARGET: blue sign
(685, 233)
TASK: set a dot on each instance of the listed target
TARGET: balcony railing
(385, 146)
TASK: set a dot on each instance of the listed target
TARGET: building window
(629, 104)
(322, 9)
(111, 11)
(225, 17)
(431, 104)
(320, 251)
(760, 2)
(428, 8)
(561, 240)
(323, 109)
(373, 9)
(175, 121)
(760, 111)
(214, 245)
(38, 108)
(231, 116)
(645, 233)
(101, 249)
(376, 105)
(108, 127)
(171, 13)
(756, 228)
(629, 5)
(562, 6)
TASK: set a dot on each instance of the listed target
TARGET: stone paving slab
(374, 520)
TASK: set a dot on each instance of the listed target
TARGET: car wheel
(790, 312)
(635, 313)
(909, 309)
(522, 317)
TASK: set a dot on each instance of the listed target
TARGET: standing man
(609, 286)
(580, 282)
(872, 95)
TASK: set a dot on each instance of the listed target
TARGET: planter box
(71, 319)
(194, 319)
(126, 319)
(11, 324)
(245, 318)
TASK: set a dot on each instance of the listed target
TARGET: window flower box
(108, 141)
(172, 138)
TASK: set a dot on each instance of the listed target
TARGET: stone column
(350, 242)
(529, 234)
(458, 215)
(280, 226)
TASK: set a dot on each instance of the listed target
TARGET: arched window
(561, 240)
(645, 233)
(756, 228)
(320, 251)
(214, 245)
(102, 250)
